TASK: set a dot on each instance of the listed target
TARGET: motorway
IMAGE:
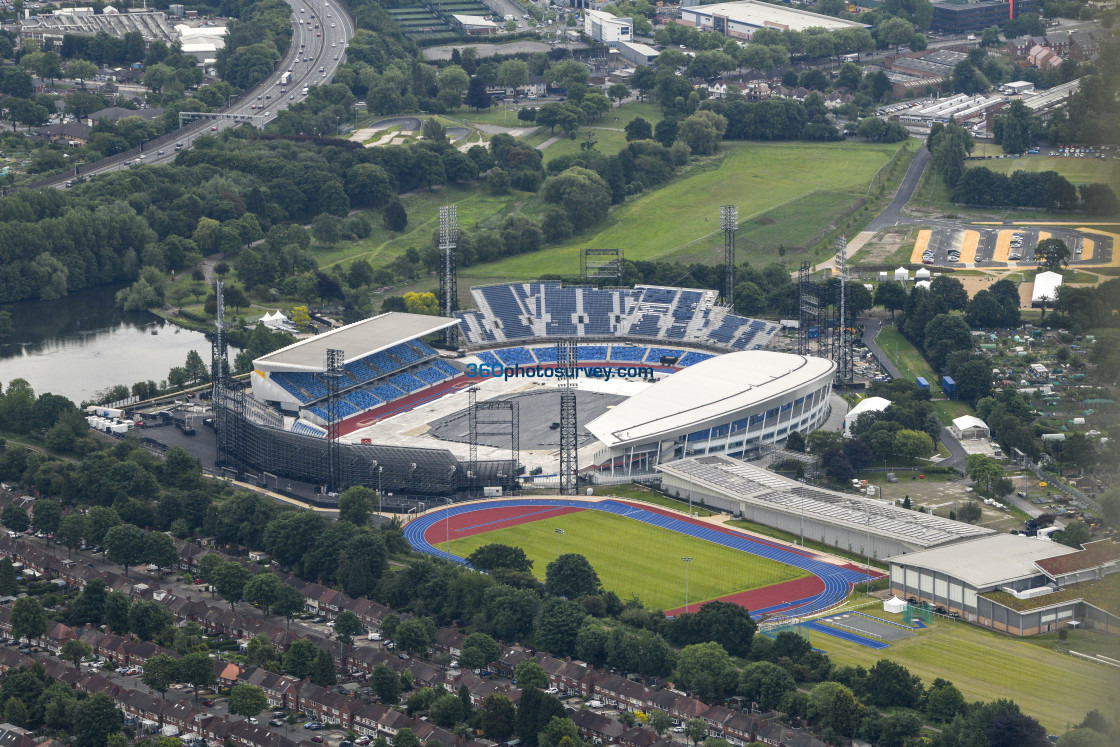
(321, 29)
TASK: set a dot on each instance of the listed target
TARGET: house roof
(1092, 555)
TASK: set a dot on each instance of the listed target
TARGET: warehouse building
(741, 19)
(957, 18)
(636, 53)
(853, 522)
(1015, 584)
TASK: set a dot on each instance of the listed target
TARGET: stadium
(390, 411)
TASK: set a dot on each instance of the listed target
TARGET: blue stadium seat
(516, 357)
(691, 359)
(627, 353)
(406, 382)
(386, 392)
(591, 353)
(488, 358)
(546, 354)
(448, 370)
(504, 305)
(656, 354)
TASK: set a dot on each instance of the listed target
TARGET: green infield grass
(681, 220)
(633, 558)
(1056, 688)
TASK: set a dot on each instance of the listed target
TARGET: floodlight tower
(566, 374)
(218, 367)
(845, 370)
(448, 276)
(728, 223)
(334, 373)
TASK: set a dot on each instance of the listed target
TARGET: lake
(82, 344)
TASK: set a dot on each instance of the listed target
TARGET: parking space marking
(1087, 250)
(920, 246)
(1003, 247)
(969, 243)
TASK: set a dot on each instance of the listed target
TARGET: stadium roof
(762, 15)
(706, 391)
(356, 340)
(988, 562)
(750, 484)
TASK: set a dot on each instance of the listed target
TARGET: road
(321, 31)
(957, 455)
(892, 214)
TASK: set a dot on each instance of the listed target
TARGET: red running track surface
(766, 597)
(492, 519)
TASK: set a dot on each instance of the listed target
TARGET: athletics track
(827, 586)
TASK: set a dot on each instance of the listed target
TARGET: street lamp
(559, 534)
(687, 561)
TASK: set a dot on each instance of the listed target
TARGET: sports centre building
(741, 19)
(862, 525)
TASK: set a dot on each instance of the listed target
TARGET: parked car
(275, 722)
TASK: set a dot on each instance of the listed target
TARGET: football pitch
(637, 559)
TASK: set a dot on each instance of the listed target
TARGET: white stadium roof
(706, 391)
(356, 340)
(748, 484)
(988, 561)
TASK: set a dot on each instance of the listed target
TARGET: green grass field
(633, 558)
(680, 221)
(607, 141)
(1055, 688)
(1077, 170)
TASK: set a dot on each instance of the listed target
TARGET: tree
(323, 673)
(197, 670)
(1016, 730)
(27, 618)
(766, 683)
(970, 512)
(415, 635)
(493, 556)
(1074, 535)
(477, 98)
(346, 626)
(230, 579)
(478, 651)
(890, 685)
(706, 671)
(96, 718)
(355, 505)
(395, 218)
(147, 618)
(9, 579)
(263, 589)
(81, 71)
(513, 74)
(833, 706)
(125, 545)
(14, 518)
(696, 729)
(943, 701)
(702, 131)
(499, 717)
(385, 683)
(638, 129)
(47, 515)
(247, 700)
(1052, 254)
(74, 651)
(160, 673)
(618, 92)
(558, 624)
(159, 550)
(571, 576)
(530, 674)
(535, 712)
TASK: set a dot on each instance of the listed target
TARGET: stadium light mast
(728, 223)
(566, 373)
(687, 562)
(845, 367)
(448, 277)
(559, 534)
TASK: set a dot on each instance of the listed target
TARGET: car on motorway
(318, 34)
(214, 128)
(254, 106)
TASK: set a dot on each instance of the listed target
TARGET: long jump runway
(828, 585)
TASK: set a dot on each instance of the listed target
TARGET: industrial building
(606, 28)
(728, 404)
(637, 54)
(1013, 583)
(959, 18)
(152, 25)
(474, 25)
(859, 524)
(741, 19)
